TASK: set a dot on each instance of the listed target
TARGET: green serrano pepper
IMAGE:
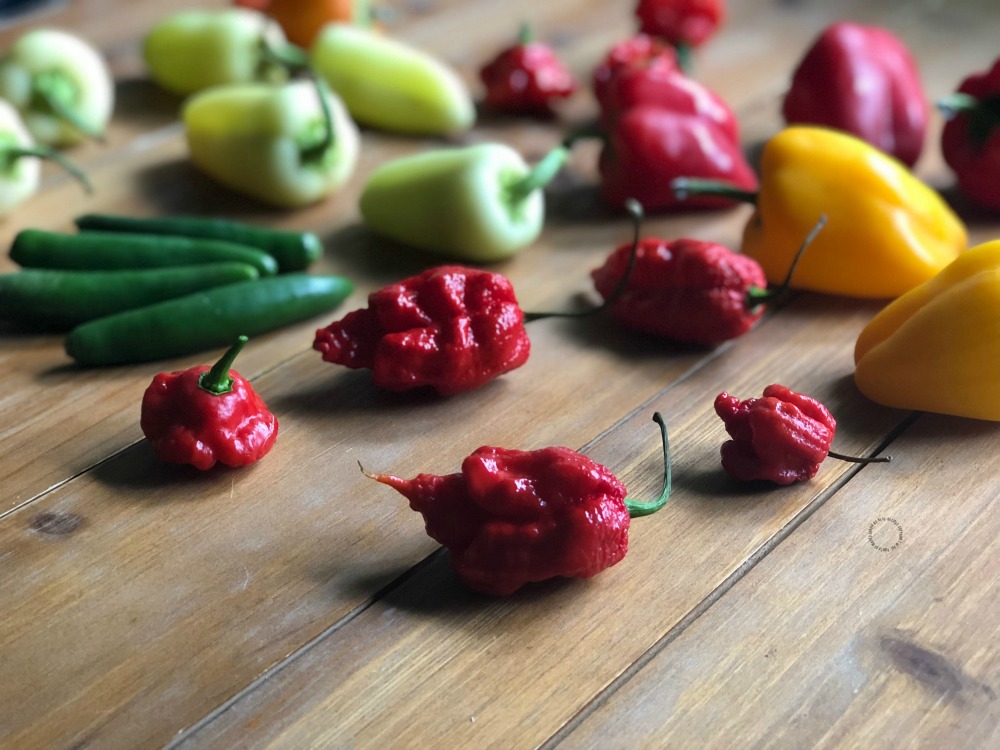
(59, 300)
(106, 251)
(204, 320)
(294, 251)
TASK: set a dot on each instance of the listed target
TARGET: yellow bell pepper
(887, 231)
(937, 347)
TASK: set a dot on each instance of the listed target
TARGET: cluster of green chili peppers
(133, 290)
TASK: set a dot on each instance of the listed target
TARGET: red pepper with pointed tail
(205, 415)
(971, 137)
(449, 328)
(526, 78)
(861, 80)
(514, 517)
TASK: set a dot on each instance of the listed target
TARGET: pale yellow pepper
(886, 233)
(937, 348)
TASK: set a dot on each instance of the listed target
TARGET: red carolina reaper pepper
(513, 517)
(204, 415)
(636, 53)
(449, 328)
(862, 80)
(681, 22)
(782, 437)
(526, 78)
(971, 137)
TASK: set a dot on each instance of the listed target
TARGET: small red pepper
(862, 80)
(970, 140)
(782, 437)
(648, 146)
(449, 328)
(688, 290)
(204, 415)
(635, 53)
(683, 23)
(526, 78)
(513, 517)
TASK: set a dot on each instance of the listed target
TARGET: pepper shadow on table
(141, 102)
(358, 252)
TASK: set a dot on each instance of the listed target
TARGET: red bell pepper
(862, 80)
(513, 517)
(526, 78)
(971, 137)
(449, 328)
(205, 415)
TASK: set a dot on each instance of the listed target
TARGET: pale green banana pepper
(480, 203)
(194, 50)
(274, 143)
(60, 84)
(390, 85)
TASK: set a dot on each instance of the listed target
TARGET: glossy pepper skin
(450, 328)
(193, 50)
(862, 80)
(479, 203)
(390, 85)
(60, 84)
(526, 78)
(513, 517)
(887, 230)
(936, 348)
(782, 437)
(970, 140)
(203, 416)
(681, 22)
(685, 290)
(270, 142)
(649, 145)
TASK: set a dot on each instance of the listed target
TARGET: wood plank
(846, 635)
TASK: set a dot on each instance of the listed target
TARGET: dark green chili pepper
(294, 251)
(105, 251)
(204, 320)
(59, 300)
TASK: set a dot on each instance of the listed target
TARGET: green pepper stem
(217, 380)
(524, 35)
(757, 296)
(684, 187)
(636, 508)
(317, 151)
(540, 175)
(684, 56)
(956, 103)
(860, 459)
(635, 211)
(58, 92)
(12, 153)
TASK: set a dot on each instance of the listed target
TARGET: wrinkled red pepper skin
(449, 328)
(689, 22)
(648, 146)
(188, 425)
(782, 437)
(970, 140)
(515, 517)
(861, 80)
(633, 54)
(685, 290)
(526, 79)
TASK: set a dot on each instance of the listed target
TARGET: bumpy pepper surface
(272, 142)
(526, 78)
(639, 51)
(937, 347)
(887, 231)
(970, 140)
(449, 328)
(685, 290)
(60, 84)
(204, 415)
(782, 437)
(862, 80)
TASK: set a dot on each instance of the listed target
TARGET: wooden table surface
(298, 604)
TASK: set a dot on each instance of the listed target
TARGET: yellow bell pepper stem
(936, 348)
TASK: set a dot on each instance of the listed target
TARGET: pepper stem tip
(860, 459)
(636, 508)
